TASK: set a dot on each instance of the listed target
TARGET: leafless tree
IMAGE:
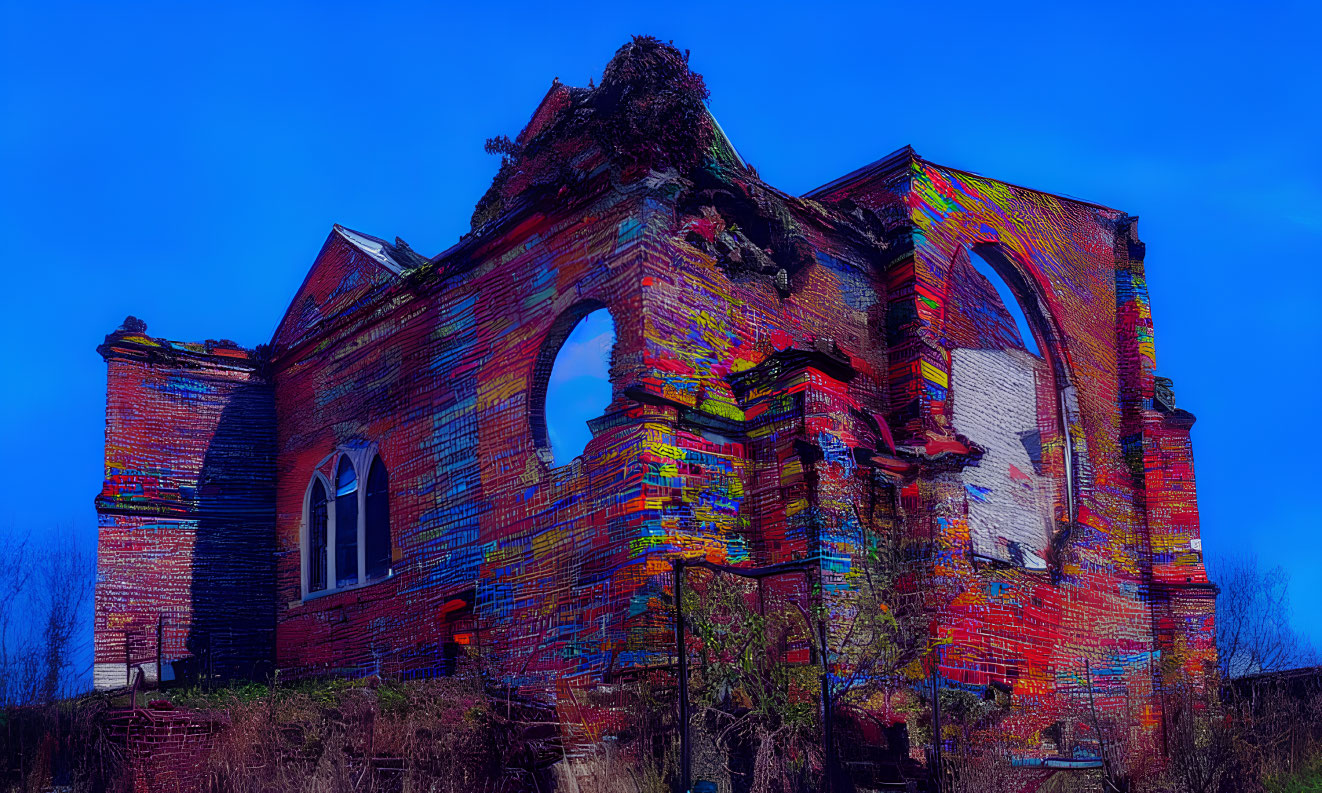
(887, 625)
(1206, 747)
(46, 592)
(67, 575)
(1242, 726)
(15, 578)
(1254, 633)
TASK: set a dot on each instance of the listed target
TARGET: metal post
(686, 770)
(828, 735)
(936, 718)
(1097, 726)
(685, 765)
(160, 631)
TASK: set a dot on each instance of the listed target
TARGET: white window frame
(360, 457)
(305, 537)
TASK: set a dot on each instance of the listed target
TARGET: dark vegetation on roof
(648, 114)
(648, 120)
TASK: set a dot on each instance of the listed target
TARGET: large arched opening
(1009, 394)
(571, 382)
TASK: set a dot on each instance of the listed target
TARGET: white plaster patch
(994, 398)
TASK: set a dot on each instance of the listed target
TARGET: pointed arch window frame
(1051, 345)
(361, 458)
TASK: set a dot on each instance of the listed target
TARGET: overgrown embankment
(449, 735)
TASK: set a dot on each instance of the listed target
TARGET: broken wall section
(1031, 624)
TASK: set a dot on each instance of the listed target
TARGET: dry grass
(440, 736)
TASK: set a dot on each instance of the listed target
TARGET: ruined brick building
(373, 491)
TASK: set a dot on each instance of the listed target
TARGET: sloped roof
(350, 267)
(397, 258)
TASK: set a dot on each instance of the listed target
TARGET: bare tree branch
(1254, 633)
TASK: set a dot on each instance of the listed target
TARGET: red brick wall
(437, 373)
(1092, 617)
(753, 418)
(184, 559)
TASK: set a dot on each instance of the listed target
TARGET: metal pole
(160, 630)
(685, 761)
(1097, 725)
(936, 718)
(828, 736)
(685, 767)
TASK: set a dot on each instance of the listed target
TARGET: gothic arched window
(346, 541)
(318, 521)
(376, 522)
(346, 524)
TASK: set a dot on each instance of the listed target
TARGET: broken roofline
(382, 251)
(136, 343)
(453, 259)
(442, 263)
(891, 164)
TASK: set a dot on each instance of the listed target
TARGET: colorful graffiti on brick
(791, 377)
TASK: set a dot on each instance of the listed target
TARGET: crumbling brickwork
(791, 378)
(1102, 607)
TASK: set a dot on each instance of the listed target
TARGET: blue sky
(579, 388)
(184, 163)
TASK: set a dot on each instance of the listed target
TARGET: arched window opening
(318, 520)
(1022, 331)
(1005, 396)
(377, 522)
(346, 524)
(347, 541)
(578, 387)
